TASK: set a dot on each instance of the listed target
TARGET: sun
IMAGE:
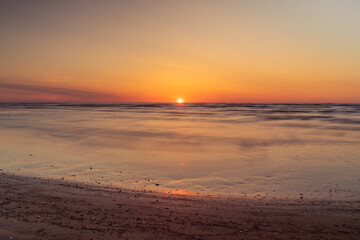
(180, 100)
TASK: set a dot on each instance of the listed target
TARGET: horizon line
(81, 102)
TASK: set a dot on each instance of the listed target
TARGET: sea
(230, 149)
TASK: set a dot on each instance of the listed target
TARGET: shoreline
(321, 193)
(36, 208)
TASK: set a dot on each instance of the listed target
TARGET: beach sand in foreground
(33, 208)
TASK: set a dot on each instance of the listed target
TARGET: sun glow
(180, 100)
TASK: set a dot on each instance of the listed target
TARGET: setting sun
(180, 100)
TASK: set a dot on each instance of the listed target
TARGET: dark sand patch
(43, 209)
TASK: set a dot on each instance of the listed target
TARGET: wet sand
(33, 208)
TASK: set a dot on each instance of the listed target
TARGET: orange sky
(202, 51)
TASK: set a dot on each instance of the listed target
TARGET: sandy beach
(34, 208)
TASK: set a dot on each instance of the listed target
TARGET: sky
(161, 50)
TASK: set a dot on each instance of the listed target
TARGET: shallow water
(308, 150)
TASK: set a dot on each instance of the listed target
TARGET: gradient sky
(201, 50)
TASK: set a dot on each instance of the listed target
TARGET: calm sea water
(245, 149)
